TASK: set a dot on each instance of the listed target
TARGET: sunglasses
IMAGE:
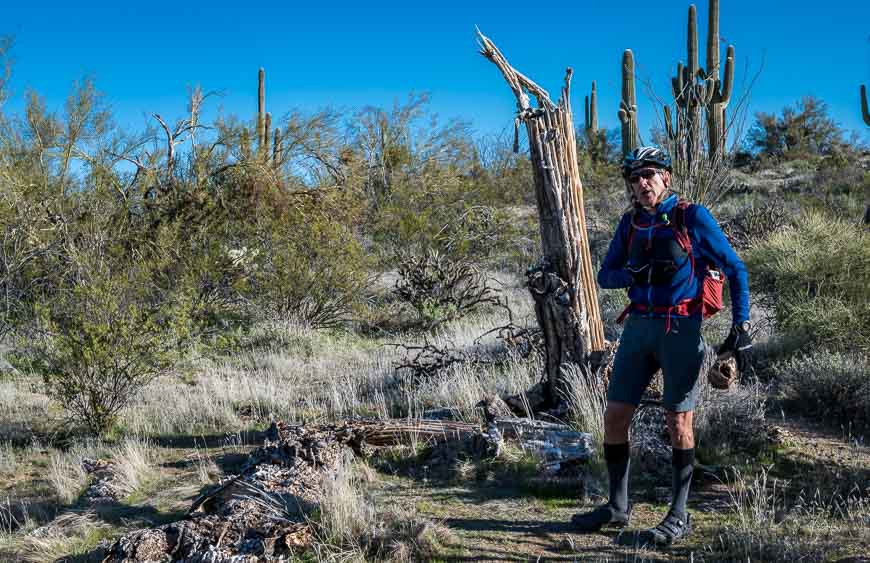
(645, 174)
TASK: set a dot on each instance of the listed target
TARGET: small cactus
(591, 113)
(864, 111)
(628, 105)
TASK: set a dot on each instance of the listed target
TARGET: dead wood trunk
(563, 283)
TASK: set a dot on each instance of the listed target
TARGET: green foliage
(832, 386)
(817, 272)
(309, 267)
(97, 342)
(800, 131)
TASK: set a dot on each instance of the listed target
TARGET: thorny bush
(441, 289)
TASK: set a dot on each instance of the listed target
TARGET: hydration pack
(711, 280)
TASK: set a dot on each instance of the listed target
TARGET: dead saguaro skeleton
(563, 283)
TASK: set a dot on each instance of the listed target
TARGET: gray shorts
(645, 347)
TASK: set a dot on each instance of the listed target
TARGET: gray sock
(683, 463)
(618, 461)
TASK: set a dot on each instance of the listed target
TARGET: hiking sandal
(604, 515)
(671, 529)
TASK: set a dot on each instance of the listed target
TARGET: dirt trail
(490, 522)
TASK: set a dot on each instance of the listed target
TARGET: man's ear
(666, 178)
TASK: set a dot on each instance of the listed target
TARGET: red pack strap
(684, 308)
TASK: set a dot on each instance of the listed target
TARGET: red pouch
(711, 292)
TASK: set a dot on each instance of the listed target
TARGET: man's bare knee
(680, 429)
(617, 420)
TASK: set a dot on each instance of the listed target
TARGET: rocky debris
(258, 515)
(494, 407)
(103, 490)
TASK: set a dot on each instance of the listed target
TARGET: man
(664, 274)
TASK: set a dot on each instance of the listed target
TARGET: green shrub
(309, 267)
(829, 385)
(817, 272)
(99, 342)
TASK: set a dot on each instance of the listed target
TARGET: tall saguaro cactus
(864, 111)
(721, 90)
(628, 105)
(591, 111)
(563, 284)
(691, 92)
(261, 109)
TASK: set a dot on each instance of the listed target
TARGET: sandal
(671, 529)
(604, 515)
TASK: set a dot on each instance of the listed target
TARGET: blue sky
(143, 55)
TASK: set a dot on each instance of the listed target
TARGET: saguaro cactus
(721, 93)
(691, 92)
(864, 111)
(628, 105)
(591, 111)
(261, 109)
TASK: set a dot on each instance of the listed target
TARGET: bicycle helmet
(645, 156)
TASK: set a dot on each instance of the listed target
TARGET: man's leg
(683, 458)
(681, 355)
(617, 420)
(633, 367)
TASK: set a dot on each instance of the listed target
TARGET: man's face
(648, 185)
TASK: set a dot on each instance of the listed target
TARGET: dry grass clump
(765, 528)
(22, 407)
(133, 467)
(69, 534)
(832, 386)
(350, 525)
(66, 473)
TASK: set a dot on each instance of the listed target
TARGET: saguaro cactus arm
(864, 111)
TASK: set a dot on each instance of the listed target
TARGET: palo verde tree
(562, 284)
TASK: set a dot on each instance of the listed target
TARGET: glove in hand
(738, 344)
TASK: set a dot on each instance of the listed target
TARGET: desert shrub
(755, 223)
(728, 422)
(309, 265)
(802, 130)
(103, 335)
(833, 386)
(817, 272)
(441, 289)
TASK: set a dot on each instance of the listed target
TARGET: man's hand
(738, 344)
(640, 274)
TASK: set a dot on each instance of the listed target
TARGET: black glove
(640, 274)
(739, 345)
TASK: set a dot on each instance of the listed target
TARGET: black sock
(683, 462)
(618, 461)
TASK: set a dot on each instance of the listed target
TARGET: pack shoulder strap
(680, 226)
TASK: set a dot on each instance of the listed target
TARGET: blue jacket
(708, 242)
